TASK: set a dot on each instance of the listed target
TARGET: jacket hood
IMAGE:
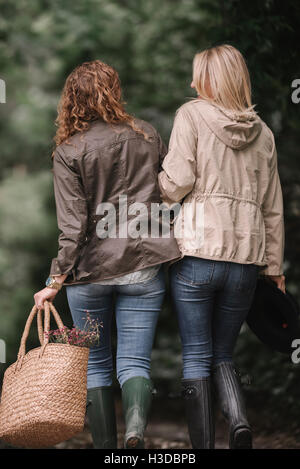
(236, 129)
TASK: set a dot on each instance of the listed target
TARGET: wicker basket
(43, 399)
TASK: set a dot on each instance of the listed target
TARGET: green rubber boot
(136, 397)
(102, 417)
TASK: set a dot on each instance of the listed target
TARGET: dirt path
(169, 431)
(174, 436)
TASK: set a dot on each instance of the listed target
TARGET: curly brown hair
(91, 91)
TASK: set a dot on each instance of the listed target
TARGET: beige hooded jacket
(222, 166)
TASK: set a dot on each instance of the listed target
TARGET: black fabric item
(229, 393)
(102, 418)
(274, 316)
(197, 395)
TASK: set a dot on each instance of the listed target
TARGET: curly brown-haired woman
(104, 158)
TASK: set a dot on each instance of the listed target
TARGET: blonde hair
(221, 76)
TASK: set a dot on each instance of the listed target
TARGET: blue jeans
(137, 307)
(212, 300)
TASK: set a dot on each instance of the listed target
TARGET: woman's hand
(48, 293)
(279, 280)
(43, 295)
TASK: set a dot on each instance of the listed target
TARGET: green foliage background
(151, 43)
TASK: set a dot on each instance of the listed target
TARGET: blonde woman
(222, 166)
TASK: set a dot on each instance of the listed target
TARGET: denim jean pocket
(248, 278)
(195, 271)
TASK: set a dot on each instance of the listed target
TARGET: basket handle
(40, 326)
(44, 339)
(49, 307)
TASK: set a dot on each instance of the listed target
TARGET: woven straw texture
(43, 399)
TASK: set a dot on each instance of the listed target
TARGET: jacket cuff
(57, 269)
(270, 271)
(165, 194)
